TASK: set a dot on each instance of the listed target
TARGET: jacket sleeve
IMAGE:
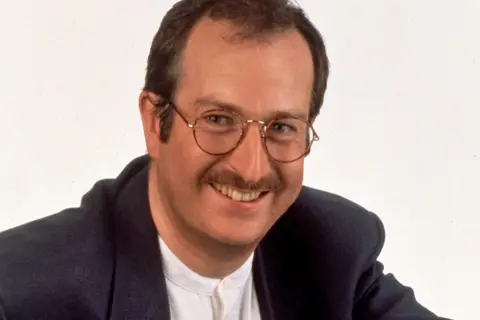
(380, 296)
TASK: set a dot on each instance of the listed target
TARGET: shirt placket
(218, 302)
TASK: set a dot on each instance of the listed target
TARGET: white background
(400, 130)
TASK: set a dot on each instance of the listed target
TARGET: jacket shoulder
(47, 262)
(337, 214)
(332, 225)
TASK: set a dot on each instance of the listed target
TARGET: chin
(238, 241)
(238, 236)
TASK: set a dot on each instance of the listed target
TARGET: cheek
(293, 174)
(184, 164)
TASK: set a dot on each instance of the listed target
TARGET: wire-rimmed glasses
(218, 132)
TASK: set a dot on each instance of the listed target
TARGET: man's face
(261, 79)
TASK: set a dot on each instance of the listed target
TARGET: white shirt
(194, 297)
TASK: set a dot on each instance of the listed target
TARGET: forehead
(261, 77)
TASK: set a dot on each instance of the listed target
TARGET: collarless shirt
(192, 296)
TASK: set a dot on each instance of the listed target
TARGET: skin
(212, 234)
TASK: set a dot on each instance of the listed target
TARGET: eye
(279, 127)
(217, 119)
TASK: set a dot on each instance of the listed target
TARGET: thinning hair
(252, 19)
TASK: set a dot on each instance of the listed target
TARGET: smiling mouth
(237, 195)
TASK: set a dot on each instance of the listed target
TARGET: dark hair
(254, 19)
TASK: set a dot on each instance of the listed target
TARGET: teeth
(235, 194)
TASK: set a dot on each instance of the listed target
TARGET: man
(214, 223)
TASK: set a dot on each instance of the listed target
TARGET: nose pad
(261, 126)
(250, 159)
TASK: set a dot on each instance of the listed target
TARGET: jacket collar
(139, 290)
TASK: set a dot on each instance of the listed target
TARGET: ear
(151, 123)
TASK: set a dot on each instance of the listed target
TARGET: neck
(199, 252)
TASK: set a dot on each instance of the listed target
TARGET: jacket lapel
(261, 287)
(294, 270)
(139, 289)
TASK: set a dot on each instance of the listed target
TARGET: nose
(250, 159)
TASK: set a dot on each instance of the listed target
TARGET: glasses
(218, 132)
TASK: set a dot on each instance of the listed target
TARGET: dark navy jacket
(102, 261)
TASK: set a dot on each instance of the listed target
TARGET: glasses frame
(264, 126)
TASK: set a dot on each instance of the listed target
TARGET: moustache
(270, 182)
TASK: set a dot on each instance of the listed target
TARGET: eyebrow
(239, 110)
